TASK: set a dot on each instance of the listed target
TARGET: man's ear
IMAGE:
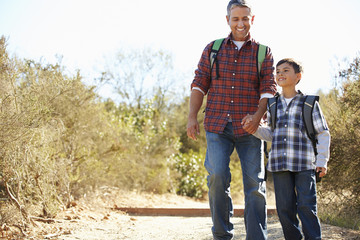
(252, 19)
(227, 19)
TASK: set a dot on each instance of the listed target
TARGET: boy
(292, 159)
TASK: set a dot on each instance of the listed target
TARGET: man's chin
(240, 37)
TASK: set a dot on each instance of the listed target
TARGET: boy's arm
(323, 137)
(264, 133)
(323, 149)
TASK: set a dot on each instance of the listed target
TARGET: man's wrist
(192, 116)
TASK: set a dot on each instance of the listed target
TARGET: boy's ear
(298, 77)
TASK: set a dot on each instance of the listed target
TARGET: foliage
(192, 174)
(59, 140)
(340, 189)
(147, 142)
(49, 134)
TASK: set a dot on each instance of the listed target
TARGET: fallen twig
(46, 220)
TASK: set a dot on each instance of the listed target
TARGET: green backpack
(307, 110)
(216, 47)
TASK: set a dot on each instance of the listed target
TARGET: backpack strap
(213, 54)
(308, 108)
(260, 57)
(272, 106)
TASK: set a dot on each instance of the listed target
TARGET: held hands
(250, 123)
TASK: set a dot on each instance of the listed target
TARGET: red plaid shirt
(237, 90)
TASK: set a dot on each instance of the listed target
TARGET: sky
(321, 34)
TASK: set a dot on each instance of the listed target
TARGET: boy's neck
(289, 92)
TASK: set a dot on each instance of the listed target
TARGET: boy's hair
(296, 65)
(238, 3)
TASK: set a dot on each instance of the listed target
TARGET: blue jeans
(219, 149)
(295, 194)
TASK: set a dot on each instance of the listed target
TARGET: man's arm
(196, 100)
(267, 89)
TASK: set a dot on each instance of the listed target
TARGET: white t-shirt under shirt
(239, 44)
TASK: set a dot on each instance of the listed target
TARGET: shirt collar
(299, 94)
(248, 40)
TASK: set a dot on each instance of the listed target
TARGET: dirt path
(160, 228)
(95, 218)
(178, 228)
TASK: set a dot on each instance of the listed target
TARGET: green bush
(191, 174)
(339, 192)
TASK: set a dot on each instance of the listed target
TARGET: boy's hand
(322, 171)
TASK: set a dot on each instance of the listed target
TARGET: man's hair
(238, 3)
(296, 65)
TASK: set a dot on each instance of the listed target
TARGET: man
(234, 90)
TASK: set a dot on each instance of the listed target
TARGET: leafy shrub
(192, 174)
(340, 189)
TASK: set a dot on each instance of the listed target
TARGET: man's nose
(240, 24)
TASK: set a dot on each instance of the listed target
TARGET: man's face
(240, 21)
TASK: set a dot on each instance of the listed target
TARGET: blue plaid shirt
(291, 148)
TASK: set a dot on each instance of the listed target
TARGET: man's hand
(196, 99)
(193, 128)
(250, 123)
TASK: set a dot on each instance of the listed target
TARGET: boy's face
(240, 21)
(286, 76)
